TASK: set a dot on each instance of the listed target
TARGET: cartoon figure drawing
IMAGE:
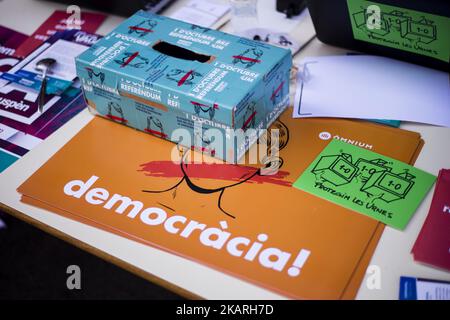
(183, 77)
(249, 57)
(269, 164)
(273, 160)
(284, 41)
(143, 28)
(155, 127)
(91, 74)
(201, 107)
(202, 144)
(199, 28)
(278, 91)
(249, 119)
(132, 59)
(115, 113)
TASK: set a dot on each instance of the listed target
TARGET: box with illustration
(159, 75)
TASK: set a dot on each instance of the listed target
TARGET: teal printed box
(158, 75)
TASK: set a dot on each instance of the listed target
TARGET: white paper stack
(371, 87)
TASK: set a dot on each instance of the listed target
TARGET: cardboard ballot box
(158, 75)
(366, 168)
(336, 169)
(389, 186)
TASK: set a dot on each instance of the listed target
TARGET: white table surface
(392, 255)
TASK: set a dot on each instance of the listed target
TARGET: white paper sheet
(201, 12)
(432, 290)
(6, 132)
(280, 39)
(64, 52)
(371, 87)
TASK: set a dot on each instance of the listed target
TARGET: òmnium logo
(325, 135)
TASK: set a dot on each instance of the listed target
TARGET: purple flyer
(10, 40)
(22, 126)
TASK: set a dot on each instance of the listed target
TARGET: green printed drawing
(388, 186)
(380, 187)
(335, 169)
(367, 168)
(373, 177)
(396, 23)
(414, 31)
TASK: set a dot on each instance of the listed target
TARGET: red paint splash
(276, 91)
(184, 78)
(198, 104)
(247, 59)
(248, 120)
(156, 133)
(110, 116)
(215, 171)
(140, 29)
(204, 149)
(130, 58)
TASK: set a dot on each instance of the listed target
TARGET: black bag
(417, 31)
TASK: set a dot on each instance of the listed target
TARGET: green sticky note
(400, 28)
(380, 187)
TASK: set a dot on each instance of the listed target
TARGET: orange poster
(256, 227)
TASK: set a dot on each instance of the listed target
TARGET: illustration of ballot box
(336, 169)
(389, 186)
(368, 167)
(423, 30)
(413, 31)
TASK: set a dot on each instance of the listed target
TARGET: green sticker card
(409, 30)
(380, 187)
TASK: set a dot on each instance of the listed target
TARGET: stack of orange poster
(229, 217)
